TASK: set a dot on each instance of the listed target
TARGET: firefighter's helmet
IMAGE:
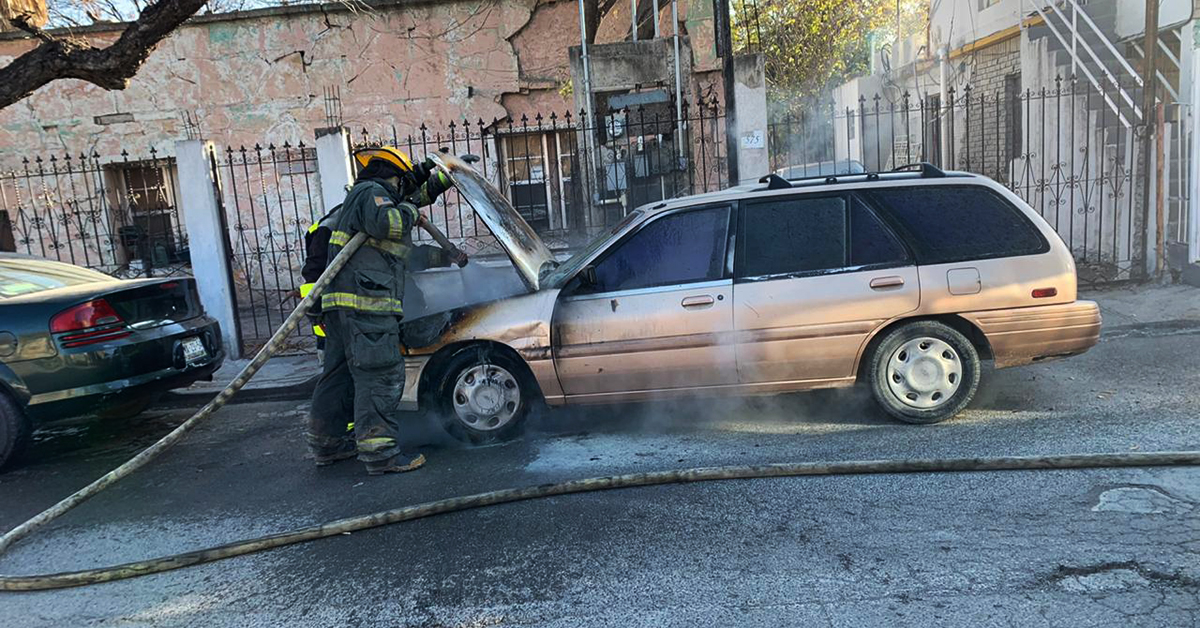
(390, 154)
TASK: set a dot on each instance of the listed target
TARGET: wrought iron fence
(570, 177)
(271, 195)
(117, 216)
(1063, 148)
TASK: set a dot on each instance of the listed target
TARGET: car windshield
(566, 269)
(26, 276)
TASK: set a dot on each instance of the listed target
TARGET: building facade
(1047, 98)
(90, 176)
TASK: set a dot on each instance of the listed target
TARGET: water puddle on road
(96, 438)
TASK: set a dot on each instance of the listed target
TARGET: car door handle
(883, 283)
(698, 302)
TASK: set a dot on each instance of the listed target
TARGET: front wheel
(484, 396)
(924, 372)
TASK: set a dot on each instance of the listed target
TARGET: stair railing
(1070, 47)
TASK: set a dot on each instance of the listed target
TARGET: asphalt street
(1034, 548)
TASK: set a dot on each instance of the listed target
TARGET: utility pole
(1149, 91)
(725, 51)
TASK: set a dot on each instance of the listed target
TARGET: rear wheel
(924, 372)
(484, 396)
(14, 430)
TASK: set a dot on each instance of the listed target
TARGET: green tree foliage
(812, 45)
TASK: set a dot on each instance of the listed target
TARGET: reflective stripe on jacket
(373, 280)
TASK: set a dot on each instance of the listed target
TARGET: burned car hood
(523, 246)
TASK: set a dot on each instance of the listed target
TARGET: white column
(944, 113)
(750, 94)
(208, 237)
(1193, 208)
(333, 165)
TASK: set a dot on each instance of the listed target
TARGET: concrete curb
(292, 392)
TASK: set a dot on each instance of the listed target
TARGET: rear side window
(871, 243)
(793, 235)
(956, 223)
(675, 249)
(27, 276)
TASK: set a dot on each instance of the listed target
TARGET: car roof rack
(928, 170)
(924, 168)
(775, 182)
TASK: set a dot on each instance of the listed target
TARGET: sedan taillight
(94, 321)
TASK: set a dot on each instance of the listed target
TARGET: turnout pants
(363, 373)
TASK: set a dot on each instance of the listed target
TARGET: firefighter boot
(399, 463)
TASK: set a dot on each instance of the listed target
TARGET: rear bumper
(1033, 334)
(110, 374)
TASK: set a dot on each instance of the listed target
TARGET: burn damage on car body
(519, 324)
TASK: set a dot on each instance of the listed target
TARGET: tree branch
(110, 67)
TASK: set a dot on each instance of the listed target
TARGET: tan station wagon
(900, 281)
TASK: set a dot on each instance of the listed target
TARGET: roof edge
(235, 16)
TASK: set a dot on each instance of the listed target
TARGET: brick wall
(986, 138)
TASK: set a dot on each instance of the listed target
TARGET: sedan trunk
(157, 304)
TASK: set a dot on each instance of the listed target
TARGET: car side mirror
(588, 276)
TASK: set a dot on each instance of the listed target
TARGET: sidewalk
(283, 377)
(1150, 304)
(1124, 309)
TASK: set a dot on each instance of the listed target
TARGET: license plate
(193, 350)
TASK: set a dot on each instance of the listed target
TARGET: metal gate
(118, 216)
(1069, 150)
(270, 196)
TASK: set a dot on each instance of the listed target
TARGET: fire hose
(491, 498)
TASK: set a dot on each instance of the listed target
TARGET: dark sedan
(76, 341)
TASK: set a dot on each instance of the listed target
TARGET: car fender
(521, 323)
(13, 385)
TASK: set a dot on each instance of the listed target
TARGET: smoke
(442, 289)
(814, 413)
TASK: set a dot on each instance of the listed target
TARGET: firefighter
(316, 257)
(360, 313)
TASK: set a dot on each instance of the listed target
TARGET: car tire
(923, 372)
(14, 431)
(484, 396)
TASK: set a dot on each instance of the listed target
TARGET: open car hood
(526, 250)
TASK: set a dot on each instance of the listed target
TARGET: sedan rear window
(957, 223)
(27, 276)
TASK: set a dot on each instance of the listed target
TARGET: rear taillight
(93, 322)
(1042, 293)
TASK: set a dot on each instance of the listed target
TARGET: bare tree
(70, 13)
(110, 67)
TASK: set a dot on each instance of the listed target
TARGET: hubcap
(924, 372)
(486, 397)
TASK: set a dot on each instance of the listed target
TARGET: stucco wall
(958, 22)
(261, 78)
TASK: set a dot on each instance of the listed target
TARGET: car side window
(679, 248)
(871, 242)
(793, 235)
(961, 222)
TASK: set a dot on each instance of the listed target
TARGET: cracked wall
(261, 77)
